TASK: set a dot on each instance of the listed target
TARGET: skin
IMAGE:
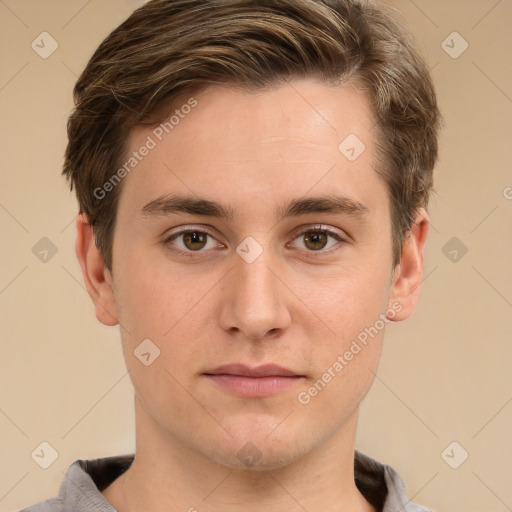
(295, 305)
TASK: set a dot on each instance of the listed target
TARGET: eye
(191, 240)
(316, 239)
(194, 240)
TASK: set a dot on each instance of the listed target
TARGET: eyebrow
(330, 204)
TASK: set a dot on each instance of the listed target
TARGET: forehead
(259, 146)
(306, 112)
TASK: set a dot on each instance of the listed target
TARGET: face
(268, 303)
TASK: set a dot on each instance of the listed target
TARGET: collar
(81, 488)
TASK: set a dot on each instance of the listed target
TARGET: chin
(259, 450)
(254, 458)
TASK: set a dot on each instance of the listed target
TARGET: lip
(253, 381)
(265, 370)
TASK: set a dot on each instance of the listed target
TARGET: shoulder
(397, 496)
(80, 489)
(383, 486)
(50, 505)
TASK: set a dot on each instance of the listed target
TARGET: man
(253, 180)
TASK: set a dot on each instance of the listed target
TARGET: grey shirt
(80, 490)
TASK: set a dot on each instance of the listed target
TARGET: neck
(168, 476)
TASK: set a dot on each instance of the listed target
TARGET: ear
(97, 278)
(405, 289)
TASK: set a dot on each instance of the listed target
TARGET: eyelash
(318, 229)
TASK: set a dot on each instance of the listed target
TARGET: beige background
(445, 374)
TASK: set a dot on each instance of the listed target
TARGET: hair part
(170, 49)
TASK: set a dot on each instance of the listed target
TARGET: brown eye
(189, 241)
(194, 240)
(315, 241)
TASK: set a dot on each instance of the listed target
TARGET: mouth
(253, 382)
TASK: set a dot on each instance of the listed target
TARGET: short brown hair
(170, 48)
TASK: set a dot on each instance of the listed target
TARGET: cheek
(345, 300)
(162, 304)
(346, 338)
(154, 298)
(344, 372)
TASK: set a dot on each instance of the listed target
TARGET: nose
(255, 301)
